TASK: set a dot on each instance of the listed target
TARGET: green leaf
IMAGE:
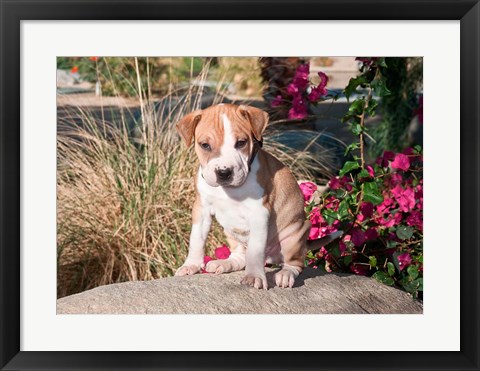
(354, 83)
(335, 250)
(347, 260)
(381, 62)
(350, 148)
(343, 209)
(404, 232)
(412, 271)
(414, 286)
(356, 129)
(356, 108)
(419, 282)
(380, 88)
(372, 106)
(371, 193)
(329, 215)
(391, 244)
(373, 261)
(390, 268)
(349, 166)
(363, 174)
(383, 278)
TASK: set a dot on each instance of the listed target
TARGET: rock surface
(314, 292)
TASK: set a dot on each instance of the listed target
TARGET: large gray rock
(314, 292)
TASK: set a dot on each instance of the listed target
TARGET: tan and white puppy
(251, 194)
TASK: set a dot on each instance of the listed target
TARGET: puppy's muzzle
(224, 176)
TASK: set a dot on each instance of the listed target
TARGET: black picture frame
(13, 12)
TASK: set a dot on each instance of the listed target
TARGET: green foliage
(379, 206)
(118, 75)
(402, 80)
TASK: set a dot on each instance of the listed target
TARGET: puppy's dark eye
(241, 143)
(205, 146)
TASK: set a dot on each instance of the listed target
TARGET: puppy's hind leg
(235, 262)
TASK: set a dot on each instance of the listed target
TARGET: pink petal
(401, 162)
(222, 252)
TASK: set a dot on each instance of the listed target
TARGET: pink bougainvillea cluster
(380, 211)
(220, 253)
(301, 92)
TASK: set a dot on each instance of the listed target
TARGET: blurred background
(125, 181)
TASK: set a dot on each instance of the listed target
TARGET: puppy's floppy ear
(258, 119)
(186, 126)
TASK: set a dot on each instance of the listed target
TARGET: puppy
(253, 196)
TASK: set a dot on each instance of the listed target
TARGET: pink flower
(314, 233)
(323, 253)
(404, 260)
(343, 182)
(316, 93)
(315, 216)
(323, 80)
(308, 189)
(401, 162)
(404, 197)
(334, 183)
(319, 91)
(395, 179)
(384, 207)
(391, 220)
(358, 237)
(292, 89)
(302, 72)
(367, 61)
(277, 101)
(222, 252)
(371, 234)
(370, 171)
(385, 159)
(331, 203)
(299, 108)
(366, 209)
(415, 219)
(320, 227)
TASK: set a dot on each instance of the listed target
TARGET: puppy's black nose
(224, 175)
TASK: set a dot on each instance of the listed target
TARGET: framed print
(228, 184)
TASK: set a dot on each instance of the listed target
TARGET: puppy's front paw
(257, 281)
(285, 278)
(188, 270)
(219, 266)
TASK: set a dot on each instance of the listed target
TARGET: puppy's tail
(317, 244)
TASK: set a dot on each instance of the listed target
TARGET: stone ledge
(314, 293)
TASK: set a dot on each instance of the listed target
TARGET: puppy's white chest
(235, 208)
(234, 218)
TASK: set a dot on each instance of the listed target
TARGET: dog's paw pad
(259, 282)
(187, 270)
(285, 278)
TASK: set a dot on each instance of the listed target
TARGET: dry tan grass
(123, 206)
